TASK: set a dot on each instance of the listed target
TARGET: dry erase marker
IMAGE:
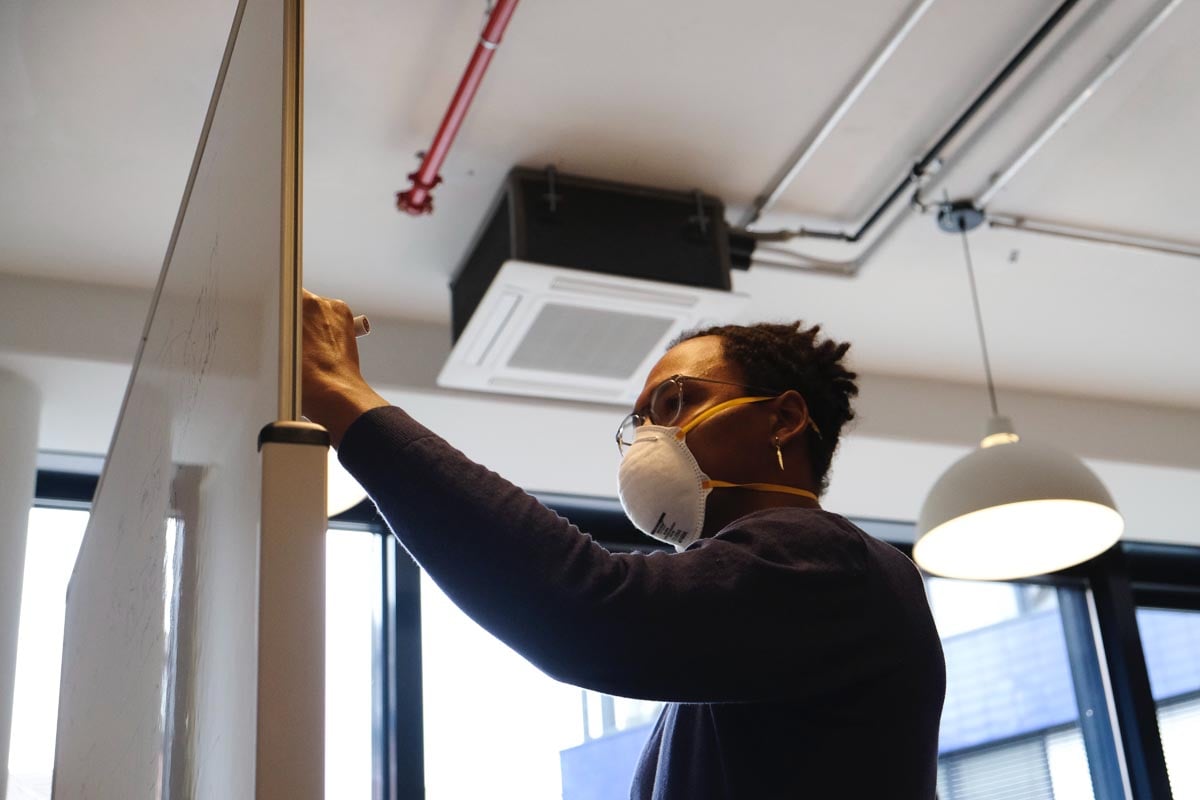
(362, 325)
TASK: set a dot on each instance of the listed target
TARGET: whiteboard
(159, 677)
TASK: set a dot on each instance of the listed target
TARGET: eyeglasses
(666, 406)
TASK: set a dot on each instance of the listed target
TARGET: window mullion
(404, 710)
(1095, 723)
(1116, 619)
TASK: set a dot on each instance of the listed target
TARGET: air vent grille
(588, 341)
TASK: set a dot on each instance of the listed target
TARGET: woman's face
(735, 444)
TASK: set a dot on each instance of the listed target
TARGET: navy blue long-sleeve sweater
(797, 653)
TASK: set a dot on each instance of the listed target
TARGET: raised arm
(661, 626)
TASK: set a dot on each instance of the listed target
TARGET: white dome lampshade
(1013, 509)
(343, 492)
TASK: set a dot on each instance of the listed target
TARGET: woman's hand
(333, 389)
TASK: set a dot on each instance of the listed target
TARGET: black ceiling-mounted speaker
(574, 287)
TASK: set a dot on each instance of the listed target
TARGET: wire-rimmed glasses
(666, 406)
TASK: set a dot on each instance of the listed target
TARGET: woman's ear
(792, 418)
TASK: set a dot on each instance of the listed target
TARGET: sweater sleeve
(726, 620)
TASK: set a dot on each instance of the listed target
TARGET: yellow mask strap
(718, 408)
(761, 487)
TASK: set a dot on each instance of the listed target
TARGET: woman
(796, 654)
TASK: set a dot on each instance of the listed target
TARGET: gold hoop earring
(779, 453)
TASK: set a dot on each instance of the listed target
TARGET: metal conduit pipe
(1147, 243)
(923, 166)
(1063, 42)
(746, 251)
(805, 152)
(418, 198)
(1113, 62)
(1109, 67)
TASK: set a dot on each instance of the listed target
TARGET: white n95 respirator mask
(662, 488)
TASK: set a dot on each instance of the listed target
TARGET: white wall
(76, 342)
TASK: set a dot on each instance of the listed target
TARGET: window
(352, 592)
(1171, 641)
(353, 581)
(615, 730)
(50, 550)
(1010, 725)
(495, 726)
(1020, 660)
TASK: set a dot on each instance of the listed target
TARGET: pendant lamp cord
(987, 364)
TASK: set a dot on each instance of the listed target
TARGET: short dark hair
(792, 356)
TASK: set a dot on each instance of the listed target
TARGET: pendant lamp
(1012, 508)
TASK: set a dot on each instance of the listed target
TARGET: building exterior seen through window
(1171, 640)
(1010, 725)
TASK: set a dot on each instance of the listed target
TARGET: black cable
(987, 364)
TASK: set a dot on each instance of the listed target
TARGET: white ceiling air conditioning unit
(575, 287)
(575, 335)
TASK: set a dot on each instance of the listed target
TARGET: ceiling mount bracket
(959, 216)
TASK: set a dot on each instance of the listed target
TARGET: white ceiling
(101, 105)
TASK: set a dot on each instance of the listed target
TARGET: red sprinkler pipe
(418, 199)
